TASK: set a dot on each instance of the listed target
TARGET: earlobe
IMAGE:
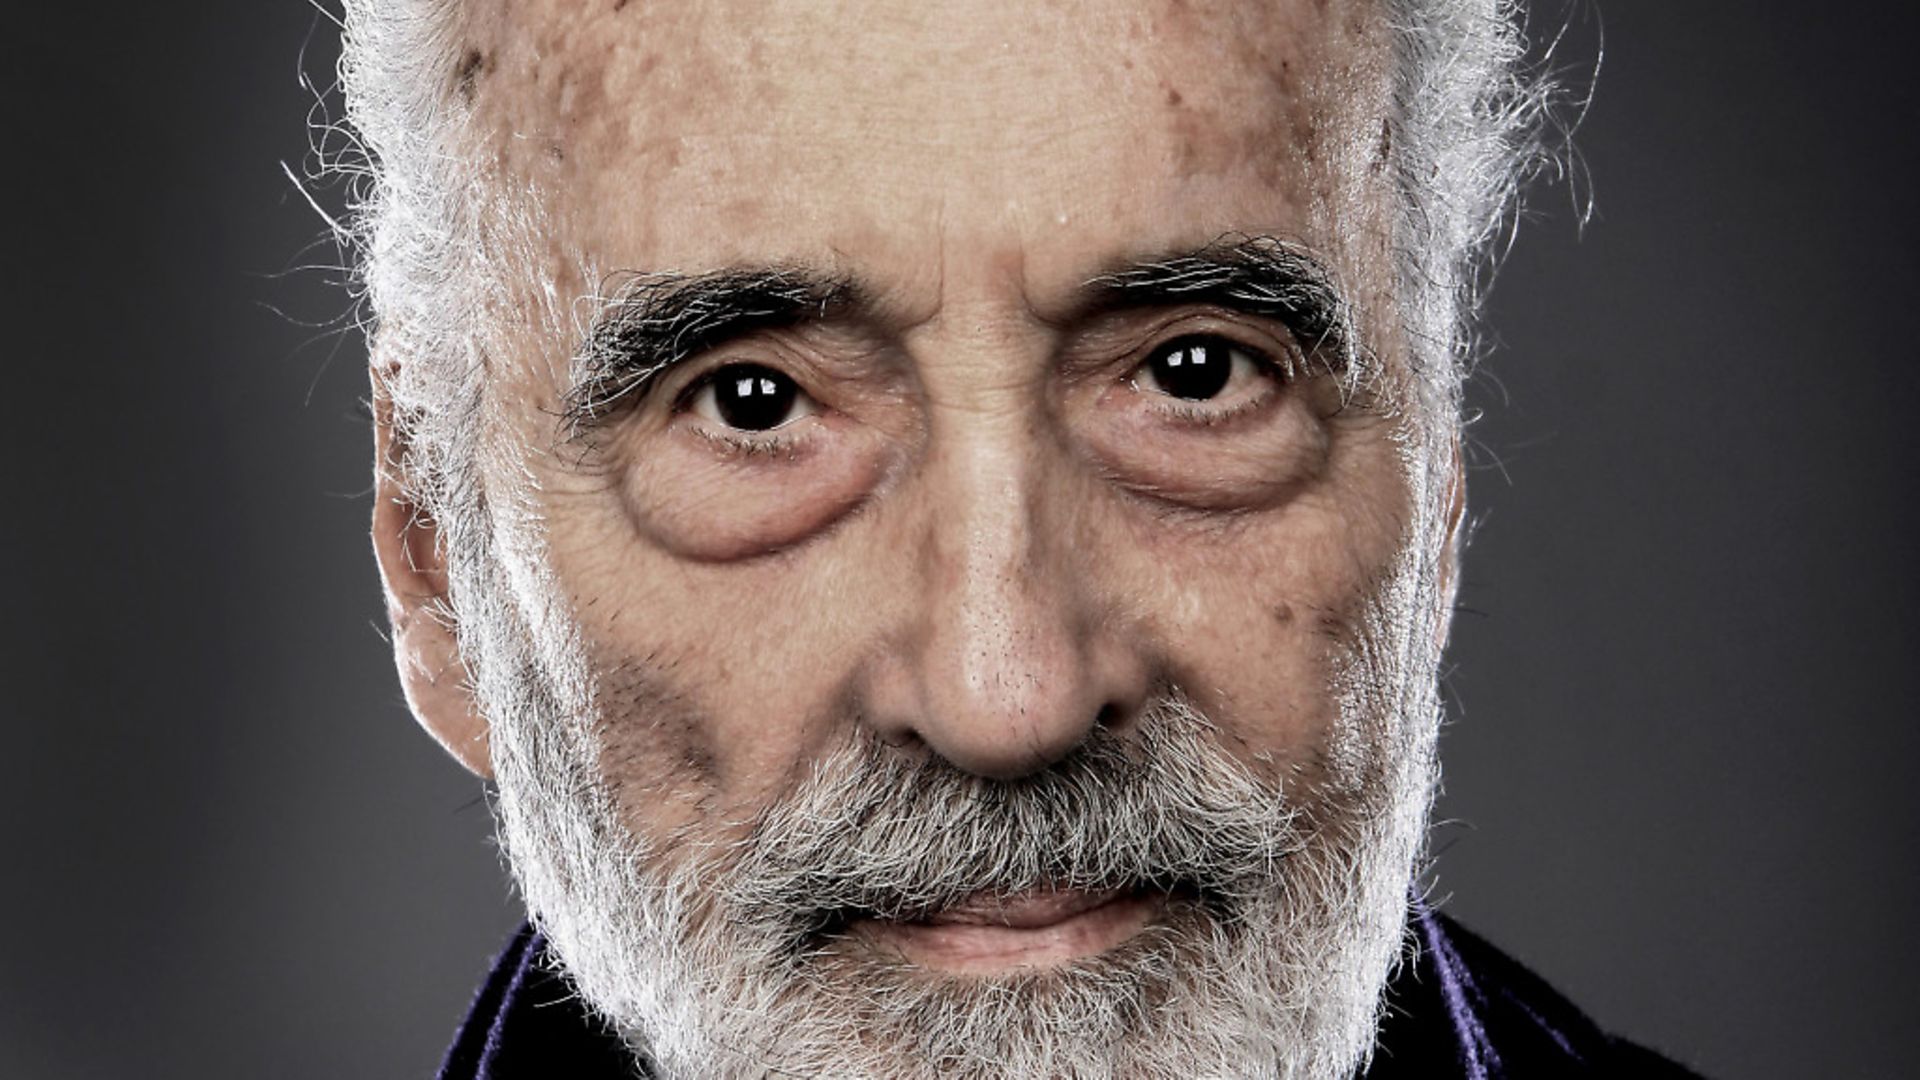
(426, 647)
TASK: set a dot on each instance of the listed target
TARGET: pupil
(1193, 369)
(753, 398)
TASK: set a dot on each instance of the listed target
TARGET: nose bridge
(1005, 665)
(994, 594)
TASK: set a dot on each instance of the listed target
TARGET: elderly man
(940, 520)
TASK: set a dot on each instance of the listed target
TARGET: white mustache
(876, 832)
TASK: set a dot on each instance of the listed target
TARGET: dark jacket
(1463, 1011)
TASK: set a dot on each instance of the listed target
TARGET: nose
(1011, 658)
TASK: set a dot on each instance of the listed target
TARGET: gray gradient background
(1677, 779)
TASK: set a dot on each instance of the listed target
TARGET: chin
(770, 954)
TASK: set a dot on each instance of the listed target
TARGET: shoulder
(1512, 1025)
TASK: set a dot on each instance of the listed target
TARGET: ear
(406, 542)
(1450, 547)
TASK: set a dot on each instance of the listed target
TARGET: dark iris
(753, 398)
(1193, 368)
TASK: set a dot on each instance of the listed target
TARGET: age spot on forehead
(1280, 78)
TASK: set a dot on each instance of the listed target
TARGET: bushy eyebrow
(1257, 275)
(645, 324)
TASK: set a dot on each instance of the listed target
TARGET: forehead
(916, 138)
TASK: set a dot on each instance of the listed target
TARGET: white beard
(706, 953)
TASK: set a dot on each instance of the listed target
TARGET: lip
(986, 934)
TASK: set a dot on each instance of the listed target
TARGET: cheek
(695, 745)
(715, 683)
(657, 750)
(1260, 616)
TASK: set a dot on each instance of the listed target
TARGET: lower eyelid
(775, 443)
(1196, 416)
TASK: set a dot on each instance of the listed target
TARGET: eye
(749, 397)
(1197, 367)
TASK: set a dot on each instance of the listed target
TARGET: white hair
(1466, 136)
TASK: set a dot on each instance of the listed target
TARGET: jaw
(1047, 985)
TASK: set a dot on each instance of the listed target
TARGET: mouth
(1038, 928)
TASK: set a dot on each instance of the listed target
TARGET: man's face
(989, 422)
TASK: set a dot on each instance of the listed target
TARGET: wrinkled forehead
(686, 135)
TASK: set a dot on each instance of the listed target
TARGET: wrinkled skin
(988, 537)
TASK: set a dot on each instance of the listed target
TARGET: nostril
(900, 738)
